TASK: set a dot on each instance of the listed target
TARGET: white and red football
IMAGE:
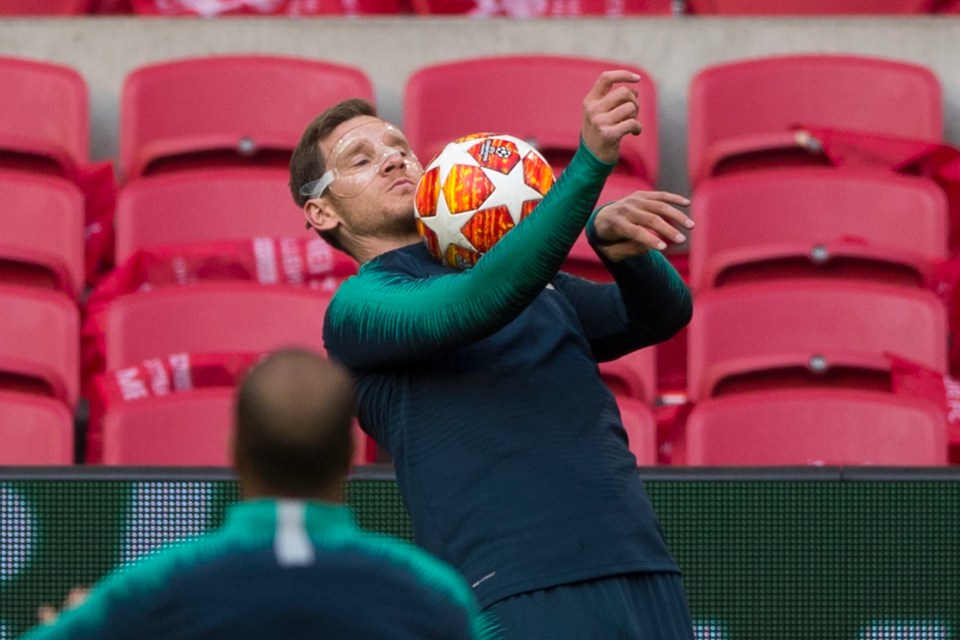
(475, 191)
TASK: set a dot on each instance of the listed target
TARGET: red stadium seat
(634, 375)
(183, 429)
(34, 430)
(43, 225)
(641, 426)
(206, 205)
(809, 7)
(293, 8)
(40, 343)
(546, 95)
(226, 110)
(816, 222)
(211, 317)
(43, 7)
(816, 426)
(44, 117)
(180, 429)
(741, 113)
(810, 332)
(551, 8)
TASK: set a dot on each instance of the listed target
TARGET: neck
(366, 249)
(332, 493)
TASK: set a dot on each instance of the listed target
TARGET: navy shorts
(639, 606)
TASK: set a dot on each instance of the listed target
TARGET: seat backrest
(206, 205)
(180, 429)
(850, 223)
(40, 342)
(34, 430)
(484, 8)
(226, 109)
(43, 232)
(633, 375)
(749, 106)
(534, 97)
(641, 426)
(810, 331)
(809, 7)
(190, 428)
(211, 317)
(44, 116)
(816, 426)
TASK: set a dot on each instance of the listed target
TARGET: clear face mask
(358, 157)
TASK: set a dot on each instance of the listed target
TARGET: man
(290, 562)
(483, 384)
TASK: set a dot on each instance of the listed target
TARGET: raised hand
(642, 221)
(609, 113)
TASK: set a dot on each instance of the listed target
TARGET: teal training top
(277, 570)
(484, 387)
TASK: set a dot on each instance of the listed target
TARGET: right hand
(609, 113)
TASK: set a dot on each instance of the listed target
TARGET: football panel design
(487, 226)
(466, 188)
(496, 154)
(427, 193)
(429, 238)
(537, 174)
(460, 257)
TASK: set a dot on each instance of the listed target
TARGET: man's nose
(392, 159)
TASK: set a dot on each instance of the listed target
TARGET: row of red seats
(198, 166)
(511, 8)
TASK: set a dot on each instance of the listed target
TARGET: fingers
(608, 79)
(643, 220)
(610, 112)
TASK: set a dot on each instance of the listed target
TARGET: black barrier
(797, 553)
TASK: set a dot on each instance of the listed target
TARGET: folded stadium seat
(34, 430)
(641, 426)
(816, 427)
(40, 343)
(742, 113)
(225, 110)
(206, 205)
(180, 429)
(551, 8)
(809, 7)
(810, 332)
(44, 117)
(633, 375)
(817, 222)
(43, 232)
(44, 7)
(210, 317)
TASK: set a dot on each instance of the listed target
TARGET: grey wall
(389, 49)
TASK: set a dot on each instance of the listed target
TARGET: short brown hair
(293, 415)
(307, 162)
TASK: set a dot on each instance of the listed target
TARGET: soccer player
(290, 561)
(483, 384)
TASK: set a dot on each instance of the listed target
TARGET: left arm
(649, 301)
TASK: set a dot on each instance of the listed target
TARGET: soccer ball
(476, 190)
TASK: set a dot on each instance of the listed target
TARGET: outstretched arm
(378, 319)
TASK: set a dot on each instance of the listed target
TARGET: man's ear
(320, 214)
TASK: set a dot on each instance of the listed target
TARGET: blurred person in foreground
(290, 561)
(483, 385)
